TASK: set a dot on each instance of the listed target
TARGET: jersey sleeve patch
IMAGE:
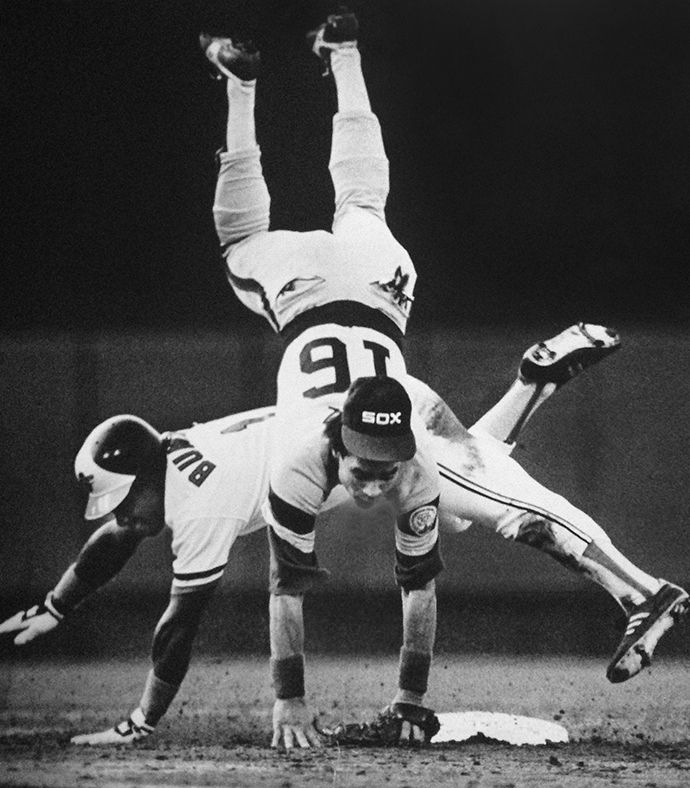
(417, 531)
(417, 554)
(423, 519)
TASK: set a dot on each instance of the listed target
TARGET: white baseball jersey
(322, 361)
(215, 484)
(305, 472)
(218, 480)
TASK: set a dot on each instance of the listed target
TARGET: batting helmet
(110, 459)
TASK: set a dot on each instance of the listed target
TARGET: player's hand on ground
(32, 623)
(412, 724)
(407, 723)
(129, 731)
(397, 724)
(293, 724)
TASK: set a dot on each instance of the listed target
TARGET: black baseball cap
(376, 420)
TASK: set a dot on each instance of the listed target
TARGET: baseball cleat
(132, 730)
(339, 31)
(563, 357)
(234, 59)
(646, 624)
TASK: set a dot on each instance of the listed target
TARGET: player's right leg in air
(545, 367)
(380, 272)
(242, 203)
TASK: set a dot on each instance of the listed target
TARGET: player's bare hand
(32, 623)
(293, 725)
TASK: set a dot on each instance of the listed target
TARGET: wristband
(414, 670)
(288, 676)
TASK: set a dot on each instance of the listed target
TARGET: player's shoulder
(232, 424)
(420, 482)
(302, 446)
(205, 455)
(424, 458)
(301, 453)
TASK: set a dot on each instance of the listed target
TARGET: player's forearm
(419, 633)
(287, 645)
(70, 590)
(419, 618)
(106, 552)
(286, 625)
(100, 559)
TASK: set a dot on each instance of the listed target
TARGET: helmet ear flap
(111, 458)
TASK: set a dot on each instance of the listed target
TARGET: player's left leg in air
(481, 484)
(496, 492)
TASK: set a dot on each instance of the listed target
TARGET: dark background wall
(539, 176)
(538, 152)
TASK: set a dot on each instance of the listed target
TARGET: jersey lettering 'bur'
(201, 472)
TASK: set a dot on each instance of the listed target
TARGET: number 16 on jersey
(317, 364)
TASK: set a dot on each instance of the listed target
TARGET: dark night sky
(538, 155)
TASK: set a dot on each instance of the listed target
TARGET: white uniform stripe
(415, 545)
(492, 495)
(199, 581)
(302, 542)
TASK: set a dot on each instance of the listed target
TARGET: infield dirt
(217, 731)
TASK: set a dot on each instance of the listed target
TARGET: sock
(506, 419)
(240, 133)
(156, 698)
(346, 66)
(619, 576)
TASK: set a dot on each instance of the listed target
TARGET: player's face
(141, 511)
(367, 481)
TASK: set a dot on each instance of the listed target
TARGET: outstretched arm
(102, 557)
(105, 553)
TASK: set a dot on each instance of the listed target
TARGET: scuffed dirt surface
(473, 764)
(217, 731)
